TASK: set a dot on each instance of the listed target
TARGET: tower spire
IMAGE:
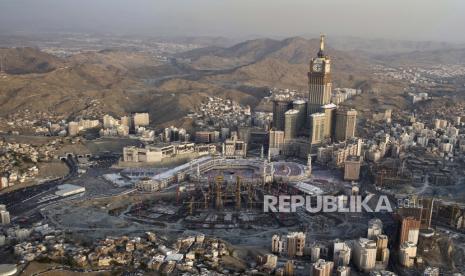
(322, 46)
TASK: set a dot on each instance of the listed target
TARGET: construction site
(228, 194)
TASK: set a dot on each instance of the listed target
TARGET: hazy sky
(399, 19)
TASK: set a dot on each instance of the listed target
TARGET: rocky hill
(282, 63)
(122, 82)
(27, 60)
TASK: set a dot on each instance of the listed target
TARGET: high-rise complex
(330, 112)
(319, 80)
(322, 268)
(280, 106)
(276, 140)
(317, 127)
(292, 244)
(352, 168)
(346, 121)
(409, 230)
(301, 107)
(407, 254)
(382, 253)
(341, 254)
(317, 118)
(291, 126)
(365, 254)
(295, 244)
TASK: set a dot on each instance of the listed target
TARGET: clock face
(317, 67)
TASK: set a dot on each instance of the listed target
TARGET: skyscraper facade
(280, 106)
(301, 107)
(345, 124)
(317, 127)
(291, 125)
(330, 112)
(319, 80)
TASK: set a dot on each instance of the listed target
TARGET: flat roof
(292, 111)
(309, 188)
(330, 105)
(182, 167)
(68, 187)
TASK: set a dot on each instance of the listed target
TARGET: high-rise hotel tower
(319, 80)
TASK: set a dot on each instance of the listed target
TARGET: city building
(341, 254)
(317, 128)
(330, 115)
(319, 80)
(270, 261)
(295, 244)
(409, 230)
(382, 253)
(174, 134)
(73, 128)
(343, 271)
(5, 216)
(292, 244)
(145, 155)
(277, 244)
(364, 256)
(280, 107)
(301, 107)
(346, 123)
(352, 168)
(207, 137)
(375, 228)
(291, 125)
(322, 268)
(234, 148)
(156, 154)
(407, 254)
(140, 119)
(337, 154)
(276, 141)
(109, 121)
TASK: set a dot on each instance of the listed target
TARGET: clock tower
(319, 80)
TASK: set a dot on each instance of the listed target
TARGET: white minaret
(262, 153)
(224, 150)
(264, 171)
(309, 165)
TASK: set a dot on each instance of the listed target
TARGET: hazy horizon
(413, 20)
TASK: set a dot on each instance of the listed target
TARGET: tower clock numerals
(317, 67)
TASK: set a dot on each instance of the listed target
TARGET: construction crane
(219, 192)
(238, 193)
